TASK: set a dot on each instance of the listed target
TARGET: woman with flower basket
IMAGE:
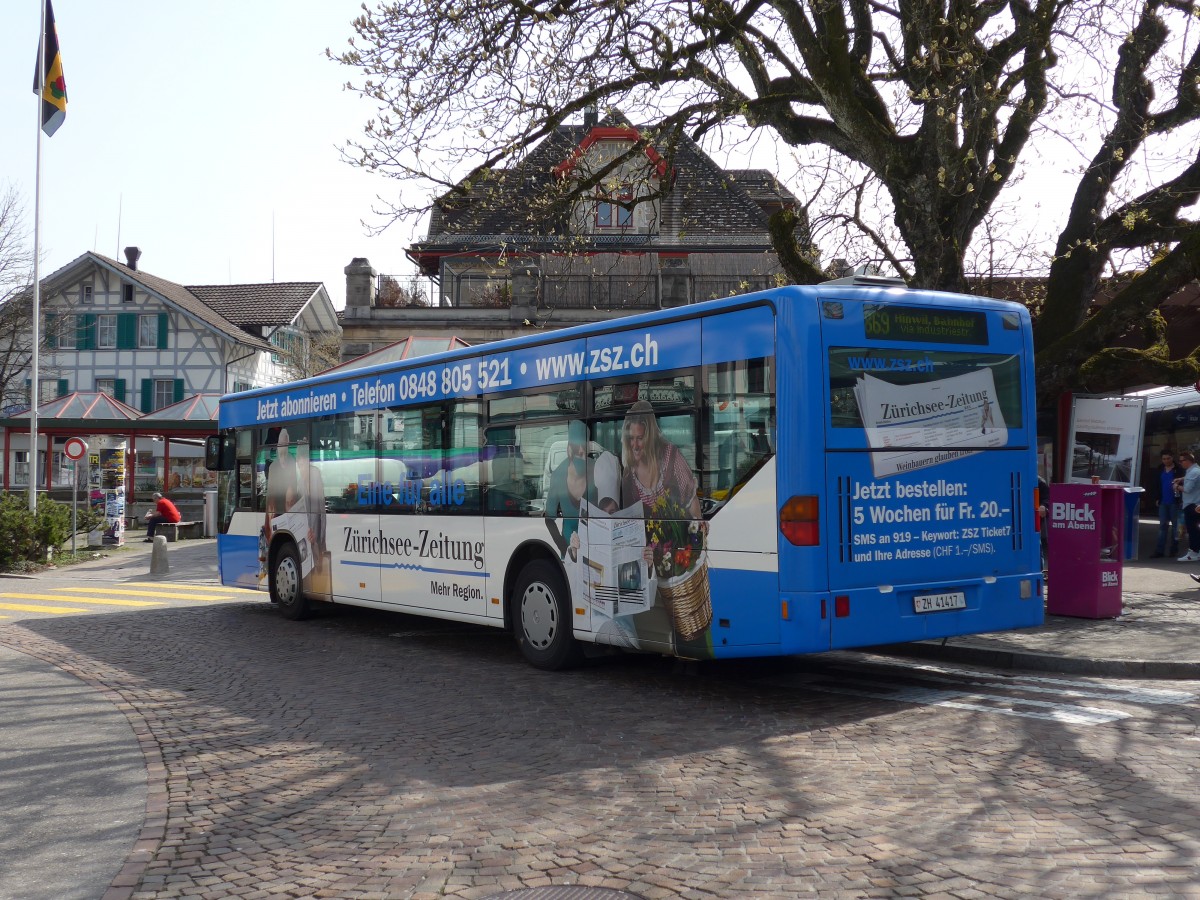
(657, 474)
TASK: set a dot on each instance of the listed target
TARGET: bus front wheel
(287, 589)
(542, 618)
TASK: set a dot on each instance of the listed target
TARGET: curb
(1044, 662)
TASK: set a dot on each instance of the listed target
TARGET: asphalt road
(362, 754)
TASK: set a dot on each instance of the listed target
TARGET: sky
(208, 136)
(205, 134)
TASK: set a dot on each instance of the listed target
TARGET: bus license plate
(924, 603)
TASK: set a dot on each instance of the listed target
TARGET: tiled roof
(229, 309)
(763, 187)
(257, 304)
(183, 298)
(704, 201)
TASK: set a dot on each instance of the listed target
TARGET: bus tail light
(1037, 506)
(798, 521)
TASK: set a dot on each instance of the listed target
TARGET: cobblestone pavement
(364, 755)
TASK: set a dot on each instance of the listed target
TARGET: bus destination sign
(884, 322)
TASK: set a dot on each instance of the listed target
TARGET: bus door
(931, 473)
(343, 450)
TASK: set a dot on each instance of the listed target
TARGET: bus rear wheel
(287, 588)
(542, 618)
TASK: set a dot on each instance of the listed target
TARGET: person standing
(1190, 500)
(1043, 525)
(1163, 486)
(165, 511)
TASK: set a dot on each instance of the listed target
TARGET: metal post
(74, 505)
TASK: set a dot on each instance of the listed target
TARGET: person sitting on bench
(164, 511)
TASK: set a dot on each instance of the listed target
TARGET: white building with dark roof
(113, 329)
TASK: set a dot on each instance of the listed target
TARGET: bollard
(158, 556)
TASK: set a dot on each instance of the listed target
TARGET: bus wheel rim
(286, 582)
(539, 615)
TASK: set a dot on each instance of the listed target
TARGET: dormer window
(615, 210)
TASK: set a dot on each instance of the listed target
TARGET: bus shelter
(162, 451)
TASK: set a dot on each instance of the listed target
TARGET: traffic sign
(75, 448)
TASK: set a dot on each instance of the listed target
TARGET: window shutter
(51, 337)
(63, 387)
(127, 329)
(178, 389)
(162, 331)
(147, 395)
(119, 389)
(85, 332)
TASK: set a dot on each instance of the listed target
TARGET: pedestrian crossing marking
(54, 610)
(223, 591)
(76, 599)
(172, 594)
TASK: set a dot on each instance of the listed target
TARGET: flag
(52, 88)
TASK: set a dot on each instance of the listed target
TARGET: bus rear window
(920, 397)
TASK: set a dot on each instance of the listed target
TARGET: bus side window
(517, 483)
(465, 457)
(739, 424)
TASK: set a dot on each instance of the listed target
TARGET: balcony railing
(603, 292)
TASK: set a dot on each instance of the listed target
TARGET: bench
(172, 531)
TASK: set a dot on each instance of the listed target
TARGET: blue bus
(792, 471)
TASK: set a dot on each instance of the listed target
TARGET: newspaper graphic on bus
(295, 521)
(613, 577)
(927, 423)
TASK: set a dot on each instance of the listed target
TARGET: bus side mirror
(219, 455)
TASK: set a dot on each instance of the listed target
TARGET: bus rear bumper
(886, 615)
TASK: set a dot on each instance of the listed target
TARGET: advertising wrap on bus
(785, 472)
(619, 354)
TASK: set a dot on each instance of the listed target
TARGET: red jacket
(167, 510)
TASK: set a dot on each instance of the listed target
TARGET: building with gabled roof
(160, 349)
(149, 342)
(599, 220)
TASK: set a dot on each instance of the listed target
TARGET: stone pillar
(526, 284)
(159, 564)
(360, 286)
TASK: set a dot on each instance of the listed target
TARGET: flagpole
(34, 393)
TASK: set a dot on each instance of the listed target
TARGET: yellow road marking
(110, 602)
(22, 607)
(199, 588)
(168, 594)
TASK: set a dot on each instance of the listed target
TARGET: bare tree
(393, 294)
(306, 353)
(933, 108)
(16, 303)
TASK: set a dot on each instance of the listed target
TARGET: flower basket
(688, 599)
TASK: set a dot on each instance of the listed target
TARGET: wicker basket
(688, 599)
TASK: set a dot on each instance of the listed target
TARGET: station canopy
(408, 348)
